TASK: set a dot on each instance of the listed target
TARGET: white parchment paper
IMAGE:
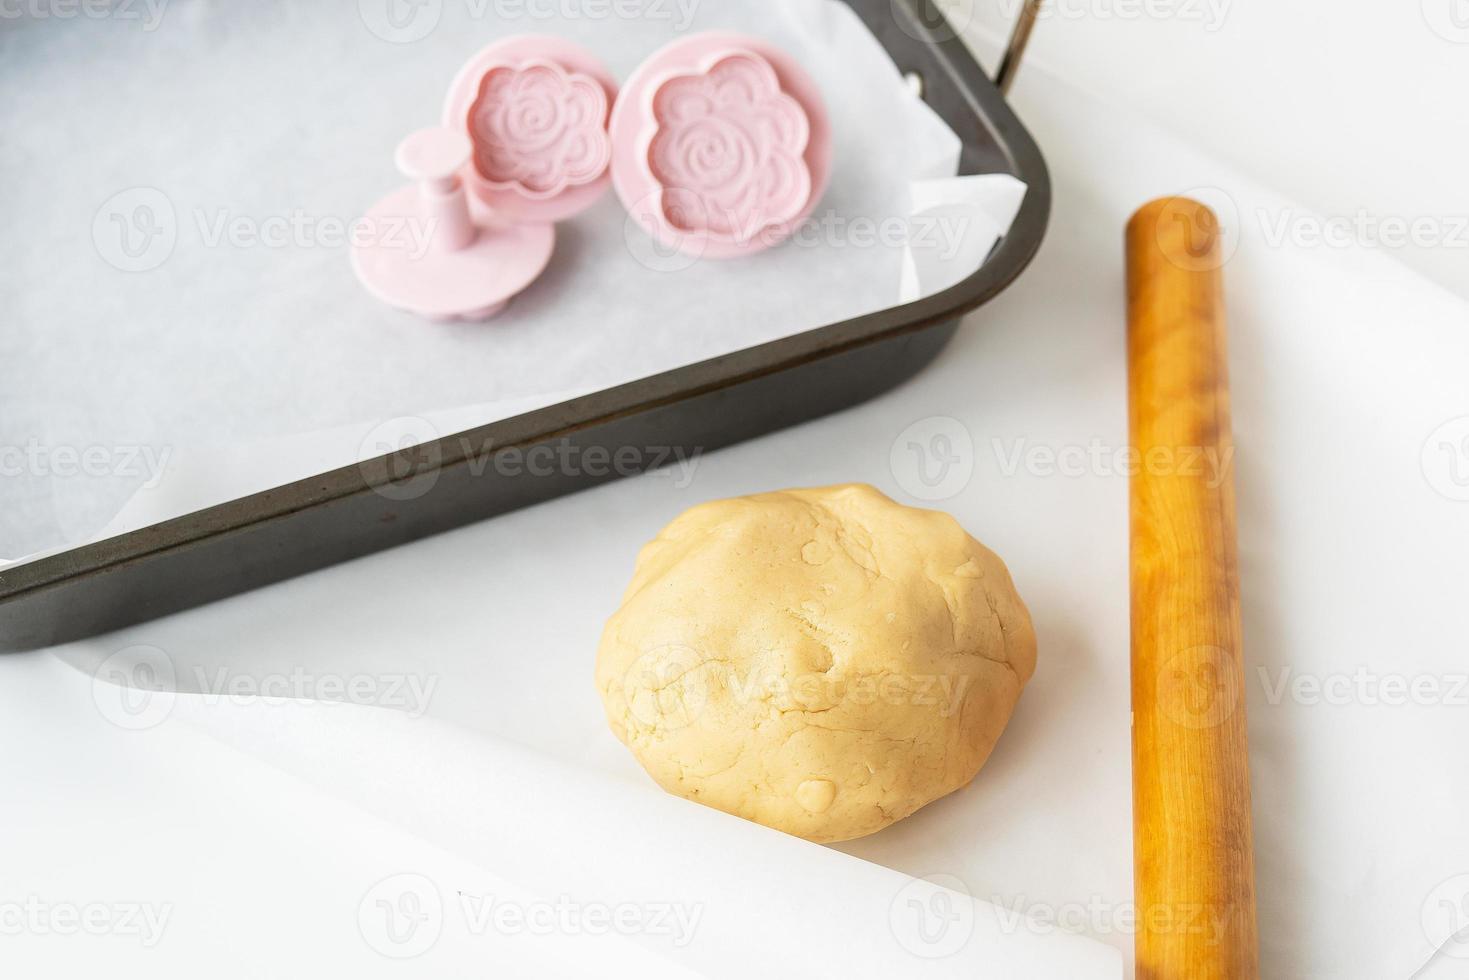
(185, 182)
(745, 898)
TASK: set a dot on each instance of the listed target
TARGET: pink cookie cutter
(721, 145)
(536, 109)
(426, 250)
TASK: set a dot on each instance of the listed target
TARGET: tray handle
(1019, 38)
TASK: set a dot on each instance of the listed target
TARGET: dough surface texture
(824, 662)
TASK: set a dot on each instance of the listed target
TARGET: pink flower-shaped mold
(721, 145)
(539, 129)
(536, 109)
(729, 150)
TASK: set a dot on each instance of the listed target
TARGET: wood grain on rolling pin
(1195, 875)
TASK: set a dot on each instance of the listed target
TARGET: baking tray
(412, 494)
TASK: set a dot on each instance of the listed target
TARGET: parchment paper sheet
(248, 135)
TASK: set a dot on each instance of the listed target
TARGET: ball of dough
(824, 662)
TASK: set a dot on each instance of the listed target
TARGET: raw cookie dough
(824, 662)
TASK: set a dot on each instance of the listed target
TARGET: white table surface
(1347, 365)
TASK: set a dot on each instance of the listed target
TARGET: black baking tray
(409, 495)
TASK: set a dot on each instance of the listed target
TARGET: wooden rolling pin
(1195, 872)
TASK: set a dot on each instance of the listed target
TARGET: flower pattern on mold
(729, 150)
(539, 129)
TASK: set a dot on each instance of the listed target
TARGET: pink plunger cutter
(524, 143)
(536, 108)
(425, 250)
(721, 145)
